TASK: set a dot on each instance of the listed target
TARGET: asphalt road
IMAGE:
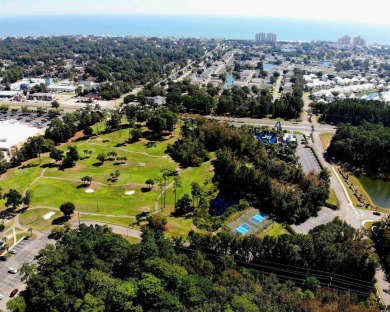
(26, 250)
(325, 215)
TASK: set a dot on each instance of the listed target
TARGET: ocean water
(189, 26)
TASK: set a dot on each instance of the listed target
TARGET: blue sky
(373, 12)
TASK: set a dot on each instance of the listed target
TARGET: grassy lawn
(274, 229)
(332, 199)
(34, 218)
(130, 171)
(188, 176)
(181, 226)
(19, 178)
(110, 220)
(131, 240)
(104, 200)
(325, 140)
(119, 138)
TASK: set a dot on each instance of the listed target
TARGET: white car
(12, 251)
(12, 270)
(1, 296)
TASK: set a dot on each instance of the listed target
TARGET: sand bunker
(48, 215)
(89, 190)
(130, 192)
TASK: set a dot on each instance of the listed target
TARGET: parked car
(12, 251)
(1, 296)
(14, 292)
(376, 213)
(12, 270)
(3, 258)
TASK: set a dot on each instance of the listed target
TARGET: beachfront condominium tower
(344, 40)
(260, 37)
(263, 37)
(356, 41)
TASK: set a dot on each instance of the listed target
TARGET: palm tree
(177, 184)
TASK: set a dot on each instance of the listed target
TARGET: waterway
(326, 64)
(378, 190)
(371, 95)
(229, 80)
(267, 66)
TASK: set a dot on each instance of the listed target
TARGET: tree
(183, 205)
(67, 208)
(87, 180)
(13, 199)
(55, 104)
(27, 199)
(88, 131)
(136, 134)
(311, 283)
(149, 183)
(17, 304)
(56, 155)
(176, 185)
(101, 157)
(196, 192)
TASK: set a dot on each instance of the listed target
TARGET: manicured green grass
(33, 218)
(130, 172)
(104, 200)
(114, 139)
(110, 220)
(274, 229)
(188, 176)
(132, 240)
(19, 178)
(332, 199)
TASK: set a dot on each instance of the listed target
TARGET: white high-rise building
(271, 37)
(356, 41)
(263, 37)
(260, 37)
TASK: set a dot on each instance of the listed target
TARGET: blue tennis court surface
(256, 219)
(242, 229)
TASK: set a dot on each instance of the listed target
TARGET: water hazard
(378, 190)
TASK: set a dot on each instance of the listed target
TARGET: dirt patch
(325, 140)
(77, 167)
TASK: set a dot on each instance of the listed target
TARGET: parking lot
(33, 119)
(306, 157)
(25, 253)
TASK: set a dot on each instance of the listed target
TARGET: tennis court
(243, 229)
(251, 222)
(256, 219)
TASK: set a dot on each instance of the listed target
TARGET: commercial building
(61, 88)
(13, 134)
(41, 97)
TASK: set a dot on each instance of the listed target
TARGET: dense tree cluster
(334, 247)
(353, 111)
(121, 61)
(236, 102)
(381, 236)
(365, 147)
(244, 169)
(92, 269)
